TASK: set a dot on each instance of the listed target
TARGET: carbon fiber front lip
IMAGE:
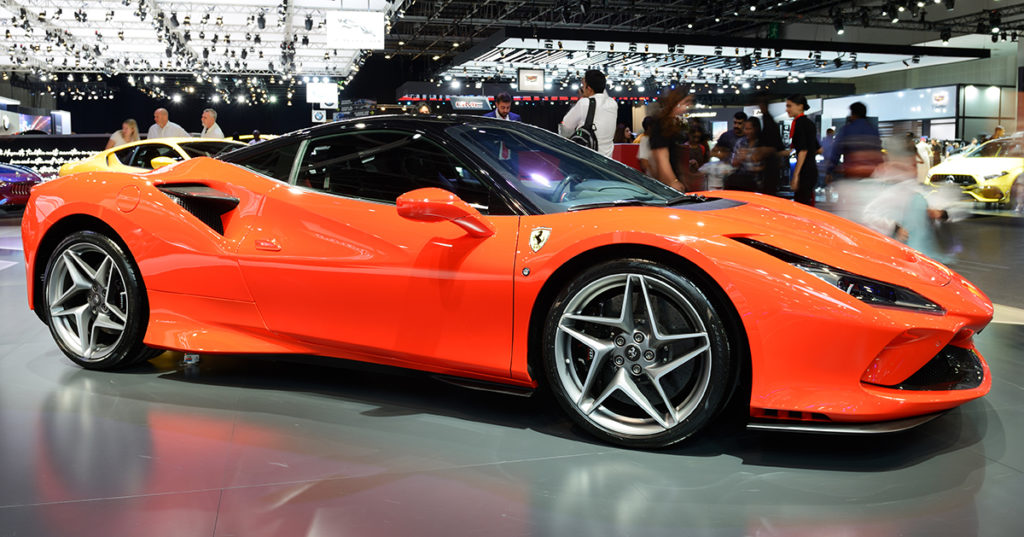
(843, 428)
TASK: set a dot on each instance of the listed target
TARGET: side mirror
(435, 205)
(160, 162)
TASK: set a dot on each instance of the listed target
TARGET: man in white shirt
(605, 116)
(163, 128)
(210, 127)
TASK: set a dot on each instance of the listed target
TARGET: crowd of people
(163, 127)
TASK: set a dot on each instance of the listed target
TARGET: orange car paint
(304, 272)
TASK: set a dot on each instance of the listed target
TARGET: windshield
(558, 175)
(999, 148)
(207, 148)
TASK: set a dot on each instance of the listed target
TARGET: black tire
(92, 287)
(600, 360)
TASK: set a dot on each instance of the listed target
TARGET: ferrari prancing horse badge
(538, 237)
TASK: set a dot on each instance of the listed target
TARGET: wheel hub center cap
(633, 353)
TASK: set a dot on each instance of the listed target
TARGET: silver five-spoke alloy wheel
(638, 353)
(87, 300)
(94, 302)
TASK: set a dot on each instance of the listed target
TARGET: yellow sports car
(992, 173)
(146, 155)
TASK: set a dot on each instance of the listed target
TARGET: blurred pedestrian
(129, 133)
(746, 160)
(667, 136)
(910, 212)
(857, 150)
(775, 150)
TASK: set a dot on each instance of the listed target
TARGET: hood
(828, 239)
(977, 166)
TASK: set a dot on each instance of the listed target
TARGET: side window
(380, 166)
(124, 156)
(147, 152)
(275, 162)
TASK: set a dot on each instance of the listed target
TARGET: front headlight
(862, 288)
(994, 176)
(871, 291)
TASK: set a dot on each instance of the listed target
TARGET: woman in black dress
(805, 143)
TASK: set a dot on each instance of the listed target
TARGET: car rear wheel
(637, 354)
(95, 304)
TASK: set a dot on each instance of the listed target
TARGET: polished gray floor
(251, 448)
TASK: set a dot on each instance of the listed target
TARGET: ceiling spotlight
(305, 40)
(174, 20)
(945, 34)
(950, 4)
(309, 22)
(837, 23)
(994, 20)
(261, 21)
(590, 45)
(916, 59)
(838, 63)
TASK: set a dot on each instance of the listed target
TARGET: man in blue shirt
(503, 108)
(858, 145)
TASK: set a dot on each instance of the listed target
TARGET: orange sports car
(501, 255)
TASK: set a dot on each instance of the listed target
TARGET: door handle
(268, 245)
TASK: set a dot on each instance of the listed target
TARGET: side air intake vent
(205, 203)
(953, 368)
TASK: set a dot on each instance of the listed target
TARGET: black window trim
(482, 172)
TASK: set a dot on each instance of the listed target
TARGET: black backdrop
(378, 80)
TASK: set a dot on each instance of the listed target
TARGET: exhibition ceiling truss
(636, 64)
(726, 43)
(195, 37)
(441, 27)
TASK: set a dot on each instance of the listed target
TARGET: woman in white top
(129, 133)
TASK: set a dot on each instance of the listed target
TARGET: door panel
(354, 276)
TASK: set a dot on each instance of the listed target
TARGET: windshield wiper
(613, 203)
(686, 198)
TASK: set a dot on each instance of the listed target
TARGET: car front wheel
(95, 304)
(637, 354)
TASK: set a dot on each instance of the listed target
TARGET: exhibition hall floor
(242, 447)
